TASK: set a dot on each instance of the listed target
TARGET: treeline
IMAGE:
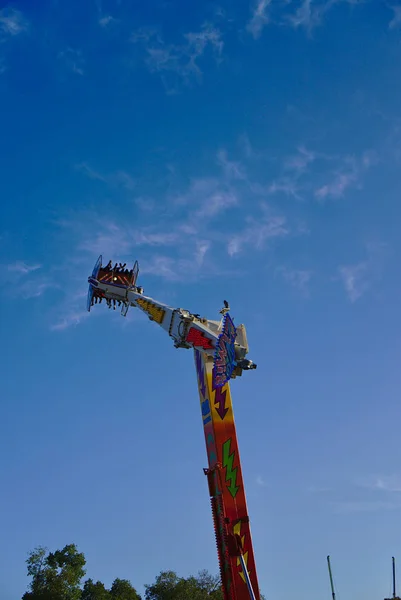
(60, 576)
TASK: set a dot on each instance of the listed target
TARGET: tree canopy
(168, 586)
(60, 575)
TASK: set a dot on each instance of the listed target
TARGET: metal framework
(220, 351)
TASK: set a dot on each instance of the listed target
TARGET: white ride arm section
(187, 330)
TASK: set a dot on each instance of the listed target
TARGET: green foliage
(55, 576)
(168, 586)
(95, 591)
(123, 590)
(58, 575)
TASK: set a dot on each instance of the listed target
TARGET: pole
(394, 594)
(333, 594)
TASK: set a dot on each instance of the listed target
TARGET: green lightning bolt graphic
(231, 474)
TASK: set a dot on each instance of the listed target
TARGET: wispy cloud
(73, 60)
(383, 483)
(201, 248)
(180, 60)
(355, 279)
(106, 20)
(268, 227)
(365, 506)
(396, 20)
(231, 169)
(307, 15)
(89, 172)
(119, 178)
(319, 489)
(208, 197)
(28, 280)
(358, 278)
(216, 202)
(12, 22)
(286, 186)
(349, 175)
(300, 161)
(298, 278)
(71, 318)
(259, 18)
(35, 289)
(22, 267)
(260, 481)
(113, 238)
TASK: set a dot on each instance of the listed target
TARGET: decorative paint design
(199, 339)
(224, 357)
(231, 473)
(155, 312)
(237, 531)
(220, 402)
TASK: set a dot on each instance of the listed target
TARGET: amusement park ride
(220, 355)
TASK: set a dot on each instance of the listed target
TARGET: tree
(163, 588)
(168, 586)
(123, 590)
(56, 576)
(210, 584)
(95, 591)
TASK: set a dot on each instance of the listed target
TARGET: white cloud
(111, 238)
(307, 16)
(125, 180)
(246, 146)
(349, 175)
(70, 319)
(260, 481)
(73, 60)
(22, 267)
(365, 506)
(12, 22)
(216, 203)
(358, 278)
(89, 172)
(202, 248)
(298, 278)
(355, 280)
(258, 231)
(106, 20)
(259, 18)
(300, 162)
(231, 169)
(169, 268)
(207, 197)
(119, 178)
(145, 204)
(181, 60)
(28, 280)
(396, 20)
(284, 186)
(319, 489)
(35, 289)
(337, 187)
(383, 483)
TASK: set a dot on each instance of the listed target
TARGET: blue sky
(248, 151)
